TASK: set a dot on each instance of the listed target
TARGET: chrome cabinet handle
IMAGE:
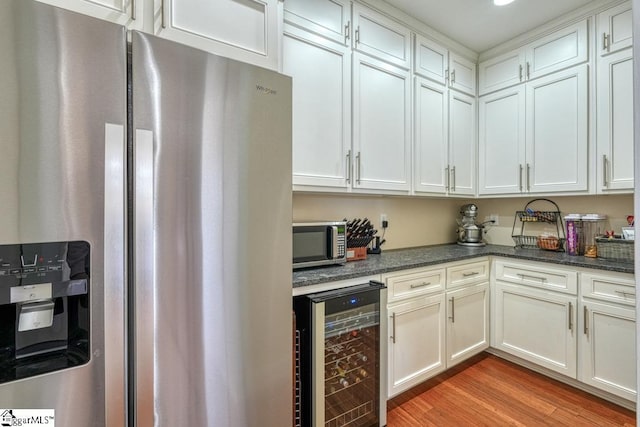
(358, 35)
(520, 73)
(453, 310)
(347, 32)
(453, 76)
(525, 276)
(473, 273)
(624, 293)
(528, 177)
(164, 21)
(349, 166)
(520, 177)
(585, 312)
(358, 167)
(528, 70)
(605, 172)
(453, 179)
(393, 327)
(133, 10)
(571, 317)
(446, 74)
(446, 175)
(605, 41)
(421, 285)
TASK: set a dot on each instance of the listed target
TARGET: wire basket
(615, 249)
(538, 216)
(549, 243)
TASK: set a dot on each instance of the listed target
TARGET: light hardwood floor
(489, 391)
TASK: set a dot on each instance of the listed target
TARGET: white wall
(416, 221)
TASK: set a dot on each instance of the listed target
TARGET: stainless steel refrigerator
(145, 228)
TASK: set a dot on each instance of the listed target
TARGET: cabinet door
(431, 60)
(536, 325)
(615, 121)
(123, 12)
(557, 132)
(328, 18)
(502, 142)
(381, 37)
(562, 49)
(381, 132)
(501, 72)
(244, 30)
(462, 144)
(321, 71)
(615, 29)
(416, 342)
(462, 74)
(608, 348)
(467, 322)
(431, 120)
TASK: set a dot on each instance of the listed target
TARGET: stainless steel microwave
(319, 243)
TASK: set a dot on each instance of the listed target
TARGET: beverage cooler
(342, 357)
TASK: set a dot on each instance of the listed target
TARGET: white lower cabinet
(536, 325)
(425, 335)
(416, 342)
(607, 342)
(467, 322)
(580, 324)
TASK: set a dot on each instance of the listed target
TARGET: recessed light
(501, 2)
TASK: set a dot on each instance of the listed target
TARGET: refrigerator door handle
(114, 276)
(144, 276)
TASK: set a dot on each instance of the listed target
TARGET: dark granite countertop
(402, 259)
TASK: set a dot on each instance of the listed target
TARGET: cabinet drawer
(416, 282)
(467, 274)
(538, 276)
(609, 287)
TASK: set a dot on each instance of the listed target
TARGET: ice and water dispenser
(44, 308)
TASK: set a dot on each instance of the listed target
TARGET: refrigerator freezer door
(212, 138)
(62, 169)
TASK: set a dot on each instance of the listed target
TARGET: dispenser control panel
(32, 263)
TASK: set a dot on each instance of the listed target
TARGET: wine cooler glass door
(351, 365)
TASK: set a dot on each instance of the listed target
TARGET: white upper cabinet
(533, 138)
(381, 127)
(351, 97)
(501, 143)
(245, 30)
(431, 60)
(562, 49)
(436, 63)
(615, 122)
(321, 71)
(502, 71)
(557, 132)
(444, 140)
(381, 37)
(330, 19)
(462, 74)
(462, 144)
(615, 29)
(123, 12)
(431, 136)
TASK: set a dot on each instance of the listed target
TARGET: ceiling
(478, 24)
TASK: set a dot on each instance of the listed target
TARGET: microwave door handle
(332, 248)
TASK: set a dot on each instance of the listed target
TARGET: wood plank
(487, 390)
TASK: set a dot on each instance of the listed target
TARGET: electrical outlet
(494, 218)
(384, 222)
